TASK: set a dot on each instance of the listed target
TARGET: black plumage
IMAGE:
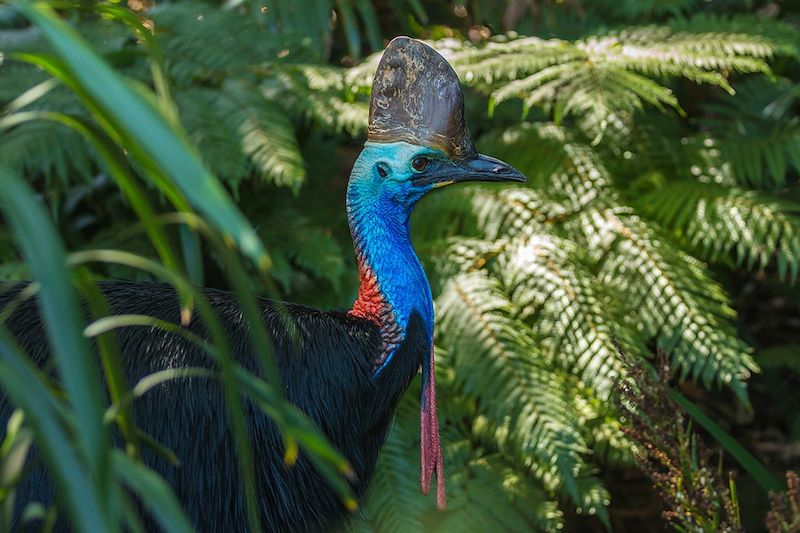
(326, 371)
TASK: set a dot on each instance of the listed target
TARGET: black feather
(326, 369)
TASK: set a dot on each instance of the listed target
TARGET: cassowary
(345, 369)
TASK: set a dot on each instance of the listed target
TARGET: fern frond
(531, 418)
(671, 297)
(395, 502)
(610, 75)
(484, 489)
(309, 246)
(498, 497)
(545, 281)
(267, 136)
(231, 41)
(317, 93)
(756, 132)
(567, 176)
(779, 34)
(721, 221)
(207, 115)
(45, 149)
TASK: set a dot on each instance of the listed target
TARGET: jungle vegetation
(210, 143)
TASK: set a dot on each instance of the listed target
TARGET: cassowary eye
(382, 171)
(420, 163)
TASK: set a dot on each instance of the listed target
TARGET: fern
(318, 94)
(677, 303)
(722, 222)
(534, 422)
(644, 179)
(757, 133)
(486, 489)
(602, 78)
(56, 153)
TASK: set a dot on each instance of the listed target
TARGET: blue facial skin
(379, 208)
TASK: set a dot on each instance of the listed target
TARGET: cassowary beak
(477, 168)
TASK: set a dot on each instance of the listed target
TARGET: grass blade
(764, 477)
(154, 493)
(148, 135)
(58, 301)
(18, 380)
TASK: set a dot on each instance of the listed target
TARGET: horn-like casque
(417, 98)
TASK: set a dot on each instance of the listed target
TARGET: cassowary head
(418, 139)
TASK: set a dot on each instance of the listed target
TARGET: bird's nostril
(501, 170)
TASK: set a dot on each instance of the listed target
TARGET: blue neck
(380, 228)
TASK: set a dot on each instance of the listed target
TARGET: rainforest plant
(662, 152)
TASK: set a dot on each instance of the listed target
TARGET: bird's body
(327, 372)
(345, 370)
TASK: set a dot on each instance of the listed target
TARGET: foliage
(69, 426)
(694, 495)
(662, 154)
(784, 513)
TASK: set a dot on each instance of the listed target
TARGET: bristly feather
(327, 372)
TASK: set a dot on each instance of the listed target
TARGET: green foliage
(608, 77)
(88, 469)
(725, 222)
(757, 131)
(662, 154)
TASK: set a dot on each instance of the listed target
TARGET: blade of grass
(350, 27)
(301, 429)
(14, 451)
(26, 391)
(370, 20)
(119, 169)
(294, 423)
(192, 255)
(110, 358)
(47, 260)
(148, 135)
(158, 63)
(225, 362)
(154, 493)
(754, 467)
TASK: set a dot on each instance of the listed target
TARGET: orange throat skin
(372, 305)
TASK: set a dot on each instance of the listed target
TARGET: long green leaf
(226, 364)
(154, 493)
(18, 380)
(754, 467)
(47, 260)
(110, 357)
(148, 135)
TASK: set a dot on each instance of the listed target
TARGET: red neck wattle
(430, 453)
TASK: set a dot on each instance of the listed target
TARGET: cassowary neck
(394, 287)
(392, 282)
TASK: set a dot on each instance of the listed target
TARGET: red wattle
(370, 302)
(431, 447)
(372, 305)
